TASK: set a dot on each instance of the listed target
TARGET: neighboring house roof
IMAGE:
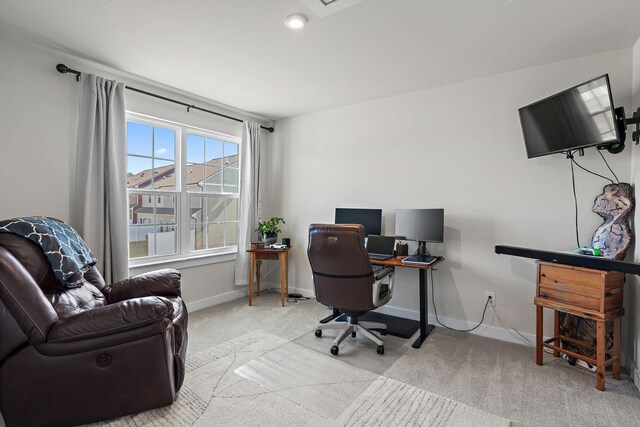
(165, 176)
(143, 179)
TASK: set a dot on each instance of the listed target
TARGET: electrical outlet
(491, 295)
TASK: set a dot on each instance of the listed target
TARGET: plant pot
(269, 238)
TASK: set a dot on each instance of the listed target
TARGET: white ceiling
(238, 52)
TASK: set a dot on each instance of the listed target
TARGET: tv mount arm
(623, 122)
(635, 120)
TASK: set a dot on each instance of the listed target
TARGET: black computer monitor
(371, 219)
(423, 225)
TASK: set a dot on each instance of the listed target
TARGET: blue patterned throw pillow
(66, 251)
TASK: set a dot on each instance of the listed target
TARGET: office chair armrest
(383, 272)
(378, 299)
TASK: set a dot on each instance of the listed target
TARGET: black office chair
(344, 279)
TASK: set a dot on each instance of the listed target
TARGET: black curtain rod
(63, 69)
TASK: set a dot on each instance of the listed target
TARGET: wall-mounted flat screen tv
(580, 117)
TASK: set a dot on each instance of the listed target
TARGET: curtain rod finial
(63, 69)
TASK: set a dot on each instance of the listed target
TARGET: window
(183, 186)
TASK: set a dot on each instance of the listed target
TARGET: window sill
(184, 262)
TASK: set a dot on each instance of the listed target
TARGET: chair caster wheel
(353, 334)
(318, 333)
(380, 349)
(383, 332)
(334, 350)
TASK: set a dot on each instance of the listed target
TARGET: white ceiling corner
(323, 8)
(239, 53)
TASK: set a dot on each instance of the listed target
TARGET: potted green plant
(269, 230)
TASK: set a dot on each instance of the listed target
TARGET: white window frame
(183, 251)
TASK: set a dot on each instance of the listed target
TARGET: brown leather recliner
(345, 280)
(95, 352)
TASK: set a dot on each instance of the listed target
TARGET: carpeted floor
(463, 376)
(263, 379)
(497, 377)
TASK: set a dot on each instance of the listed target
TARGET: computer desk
(425, 328)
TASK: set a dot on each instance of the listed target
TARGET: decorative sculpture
(614, 236)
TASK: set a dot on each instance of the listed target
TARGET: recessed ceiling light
(295, 21)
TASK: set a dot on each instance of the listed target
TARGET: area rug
(261, 380)
(358, 352)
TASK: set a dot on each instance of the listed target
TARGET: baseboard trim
(242, 293)
(215, 300)
(399, 312)
(495, 332)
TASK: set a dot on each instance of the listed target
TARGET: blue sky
(158, 142)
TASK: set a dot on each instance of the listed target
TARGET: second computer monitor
(371, 219)
(423, 225)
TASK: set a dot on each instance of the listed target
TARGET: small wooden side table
(584, 292)
(264, 254)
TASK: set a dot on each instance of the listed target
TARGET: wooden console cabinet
(587, 293)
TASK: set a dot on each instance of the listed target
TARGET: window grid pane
(213, 222)
(211, 179)
(153, 225)
(151, 154)
(212, 166)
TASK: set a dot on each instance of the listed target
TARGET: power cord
(509, 328)
(575, 198)
(273, 267)
(607, 163)
(298, 298)
(570, 156)
(591, 172)
(486, 304)
(435, 311)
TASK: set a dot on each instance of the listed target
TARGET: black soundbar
(586, 261)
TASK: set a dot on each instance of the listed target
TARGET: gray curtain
(99, 210)
(250, 203)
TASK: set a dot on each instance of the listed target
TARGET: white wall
(35, 129)
(38, 123)
(458, 147)
(632, 295)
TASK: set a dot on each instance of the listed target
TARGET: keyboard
(379, 257)
(420, 259)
